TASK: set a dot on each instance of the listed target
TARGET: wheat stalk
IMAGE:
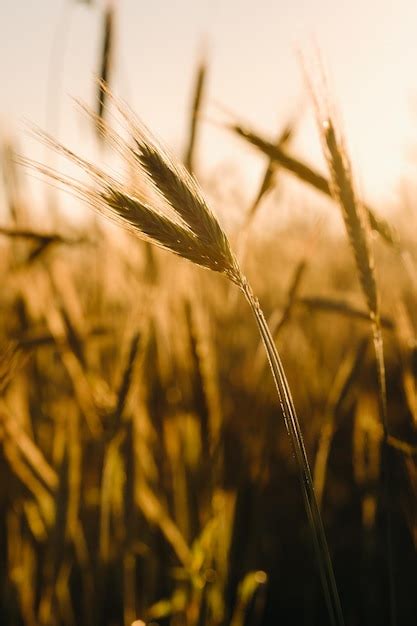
(341, 307)
(267, 182)
(194, 233)
(358, 227)
(356, 222)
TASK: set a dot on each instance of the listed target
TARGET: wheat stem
(297, 441)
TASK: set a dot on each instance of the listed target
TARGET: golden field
(148, 475)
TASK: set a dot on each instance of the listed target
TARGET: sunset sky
(370, 48)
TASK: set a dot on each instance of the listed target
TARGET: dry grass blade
(205, 367)
(358, 229)
(345, 376)
(291, 296)
(12, 182)
(279, 319)
(20, 233)
(28, 450)
(37, 340)
(155, 513)
(199, 90)
(40, 290)
(106, 60)
(308, 175)
(340, 307)
(402, 446)
(41, 242)
(29, 481)
(247, 589)
(11, 361)
(406, 342)
(109, 483)
(266, 185)
(127, 377)
(267, 182)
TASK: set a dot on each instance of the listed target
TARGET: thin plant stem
(297, 441)
(386, 476)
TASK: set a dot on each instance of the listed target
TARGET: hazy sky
(370, 47)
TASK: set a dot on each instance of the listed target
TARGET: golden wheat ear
(356, 222)
(171, 181)
(178, 188)
(164, 232)
(176, 218)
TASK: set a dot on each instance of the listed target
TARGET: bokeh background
(50, 52)
(147, 473)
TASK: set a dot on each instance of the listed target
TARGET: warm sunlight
(208, 339)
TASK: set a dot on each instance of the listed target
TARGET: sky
(50, 52)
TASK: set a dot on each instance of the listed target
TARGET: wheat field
(203, 421)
